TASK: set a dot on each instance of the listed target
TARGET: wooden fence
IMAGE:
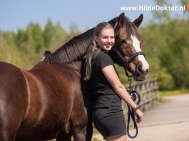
(148, 90)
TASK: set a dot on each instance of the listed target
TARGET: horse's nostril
(140, 69)
(146, 71)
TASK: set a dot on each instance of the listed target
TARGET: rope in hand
(134, 93)
(131, 113)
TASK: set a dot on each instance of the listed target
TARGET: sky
(17, 14)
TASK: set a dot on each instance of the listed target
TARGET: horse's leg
(79, 121)
(10, 120)
(33, 140)
(79, 134)
(88, 106)
(68, 138)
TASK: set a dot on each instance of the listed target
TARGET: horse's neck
(74, 49)
(115, 58)
(77, 65)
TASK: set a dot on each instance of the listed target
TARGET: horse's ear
(138, 21)
(121, 20)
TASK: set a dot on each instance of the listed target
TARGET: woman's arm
(113, 79)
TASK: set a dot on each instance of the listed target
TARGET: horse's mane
(74, 49)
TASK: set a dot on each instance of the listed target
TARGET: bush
(165, 80)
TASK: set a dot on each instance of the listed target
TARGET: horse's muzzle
(139, 74)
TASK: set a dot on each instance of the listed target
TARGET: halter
(134, 93)
(127, 62)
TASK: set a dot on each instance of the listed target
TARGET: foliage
(49, 33)
(173, 92)
(122, 76)
(165, 80)
(166, 48)
(25, 47)
(175, 56)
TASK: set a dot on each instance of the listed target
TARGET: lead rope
(134, 93)
(131, 113)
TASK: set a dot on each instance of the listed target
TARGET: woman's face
(106, 39)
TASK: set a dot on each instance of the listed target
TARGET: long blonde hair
(93, 49)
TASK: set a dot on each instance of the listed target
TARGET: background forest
(166, 46)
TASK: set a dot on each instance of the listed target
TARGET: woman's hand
(139, 115)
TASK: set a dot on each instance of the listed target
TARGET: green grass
(174, 92)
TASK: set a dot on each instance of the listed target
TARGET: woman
(106, 88)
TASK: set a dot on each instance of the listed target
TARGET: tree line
(25, 47)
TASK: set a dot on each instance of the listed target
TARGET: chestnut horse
(51, 100)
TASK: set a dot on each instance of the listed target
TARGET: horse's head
(128, 47)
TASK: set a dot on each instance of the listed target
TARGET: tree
(60, 32)
(21, 38)
(49, 33)
(35, 37)
(174, 54)
(161, 16)
(74, 31)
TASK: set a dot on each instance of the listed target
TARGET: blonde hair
(93, 49)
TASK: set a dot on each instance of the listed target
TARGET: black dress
(107, 115)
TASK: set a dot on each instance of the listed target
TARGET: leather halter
(126, 62)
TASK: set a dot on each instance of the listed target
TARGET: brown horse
(51, 100)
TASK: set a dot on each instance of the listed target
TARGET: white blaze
(136, 45)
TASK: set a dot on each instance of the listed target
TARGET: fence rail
(148, 90)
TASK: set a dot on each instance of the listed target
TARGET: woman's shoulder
(103, 59)
(102, 55)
